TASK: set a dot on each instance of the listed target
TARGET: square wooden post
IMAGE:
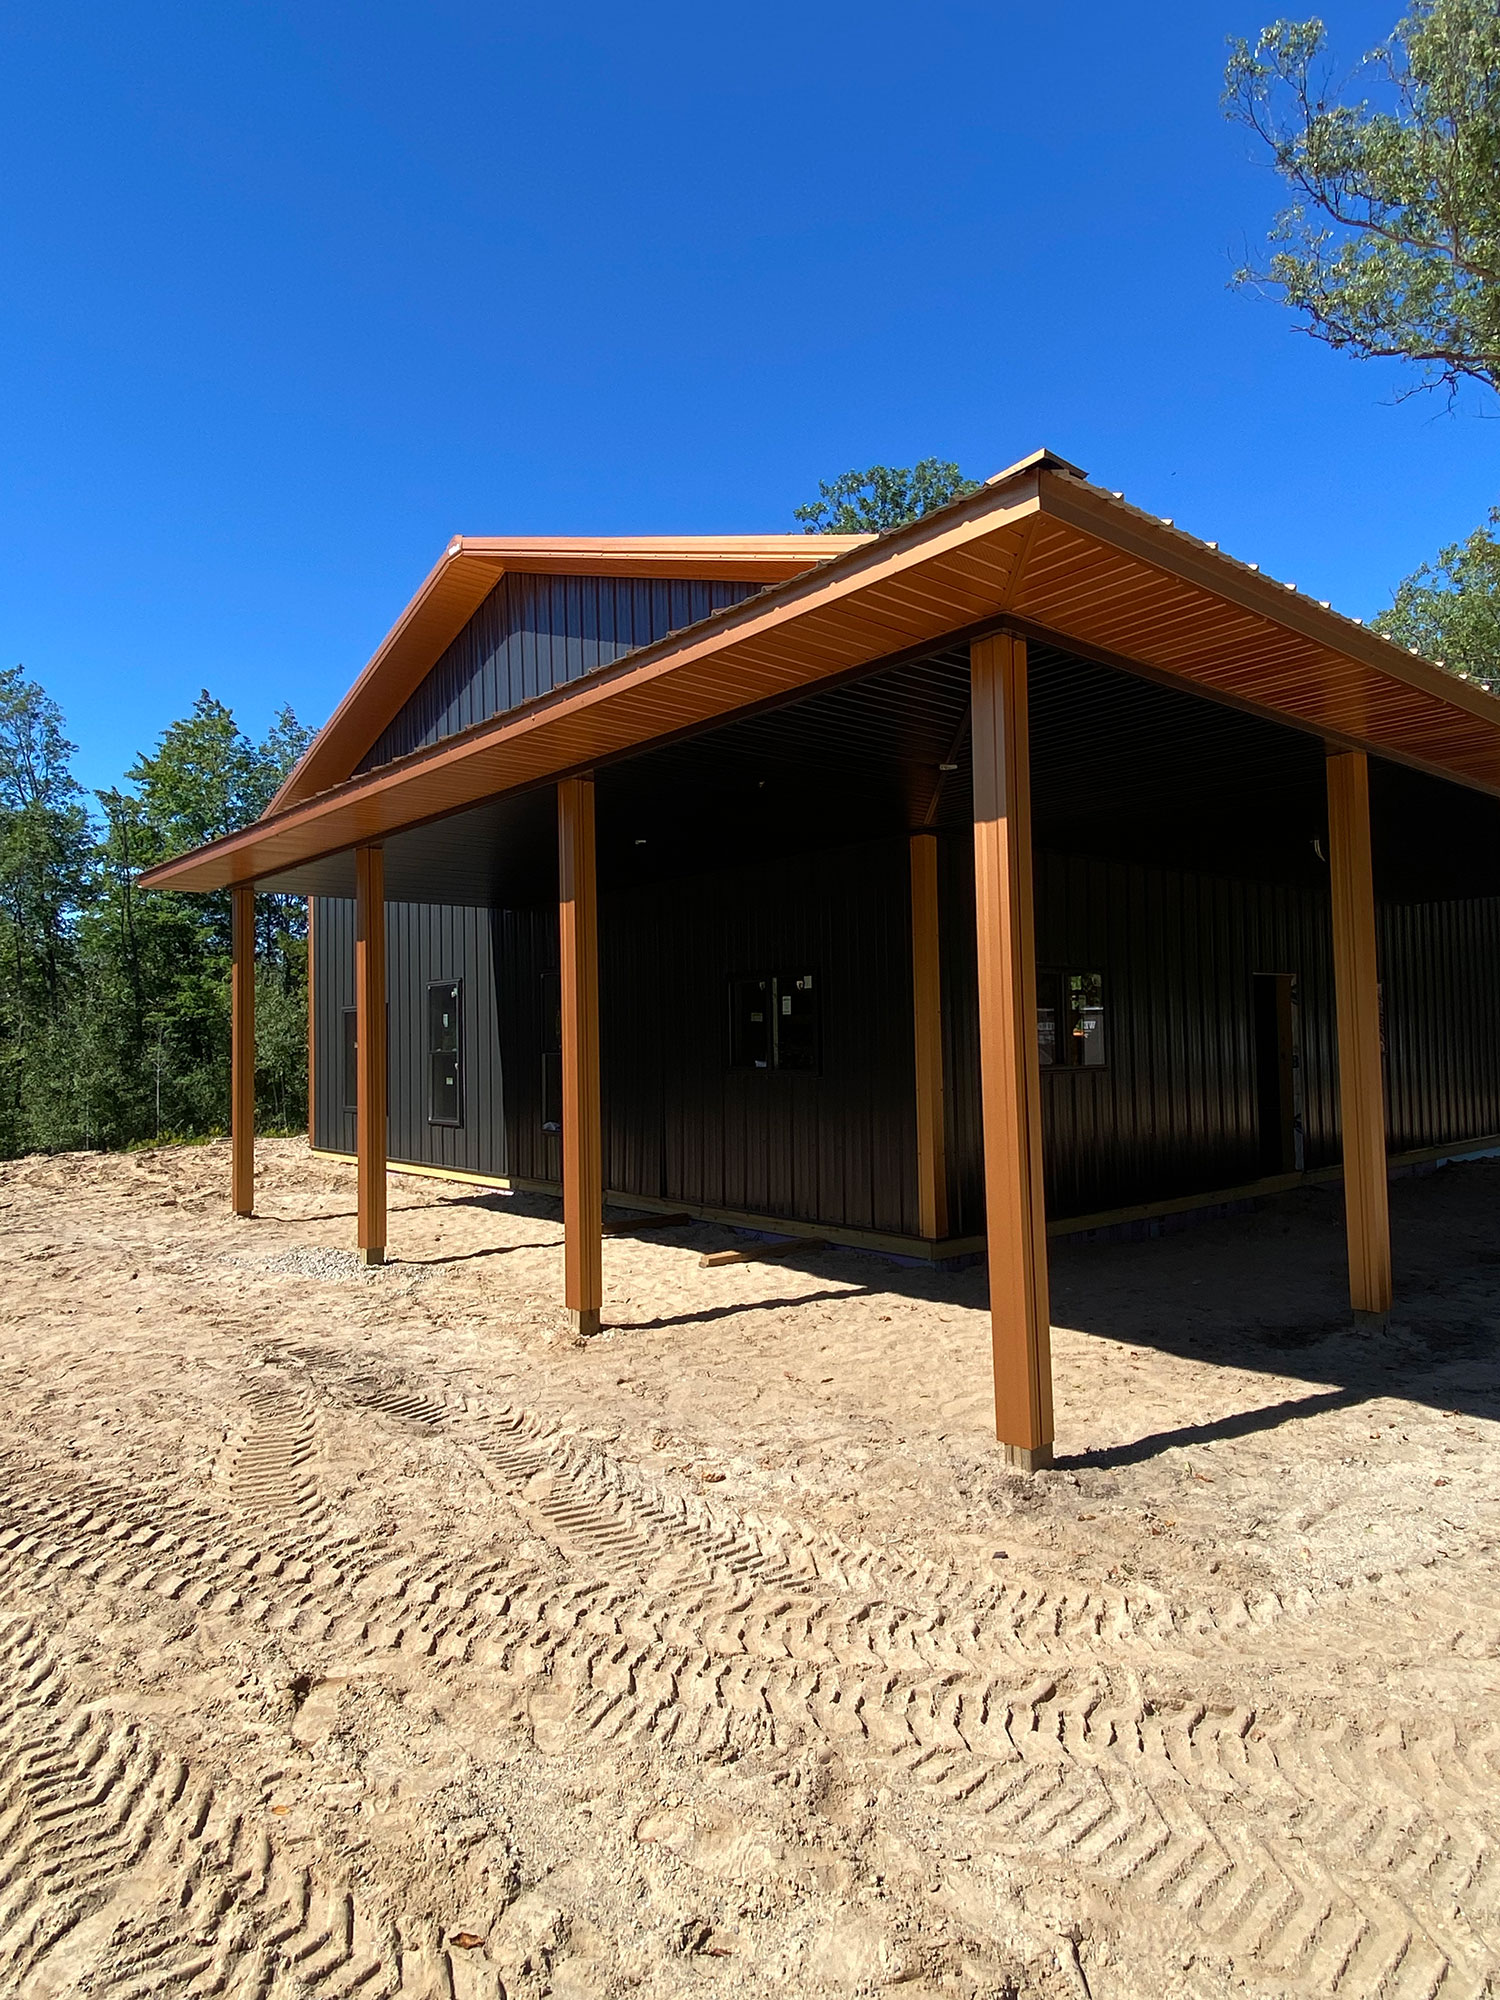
(582, 1123)
(370, 1058)
(927, 1025)
(242, 1051)
(1009, 1065)
(1357, 996)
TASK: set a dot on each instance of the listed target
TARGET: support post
(927, 1026)
(242, 1051)
(370, 1059)
(1357, 997)
(1009, 1066)
(582, 1125)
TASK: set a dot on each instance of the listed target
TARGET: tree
(1450, 609)
(165, 958)
(1391, 243)
(44, 858)
(885, 496)
(114, 1003)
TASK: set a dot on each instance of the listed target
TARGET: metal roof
(1039, 549)
(465, 574)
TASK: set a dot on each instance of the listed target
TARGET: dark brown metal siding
(532, 634)
(332, 921)
(1173, 1113)
(424, 942)
(838, 1146)
(1440, 1013)
(526, 949)
(1174, 1109)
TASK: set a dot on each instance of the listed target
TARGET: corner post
(370, 1058)
(242, 1050)
(582, 1122)
(927, 1027)
(1009, 1065)
(1357, 999)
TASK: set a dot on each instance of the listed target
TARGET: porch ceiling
(1038, 548)
(1121, 766)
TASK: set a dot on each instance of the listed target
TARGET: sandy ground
(362, 1633)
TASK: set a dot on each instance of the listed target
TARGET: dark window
(551, 1052)
(1070, 1020)
(751, 1004)
(773, 1022)
(1048, 1007)
(445, 1101)
(351, 1059)
(1085, 1025)
(796, 1022)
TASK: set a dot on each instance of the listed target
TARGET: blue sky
(294, 294)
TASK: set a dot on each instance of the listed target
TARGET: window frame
(433, 1051)
(1055, 988)
(778, 988)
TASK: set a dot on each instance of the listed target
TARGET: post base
(1373, 1320)
(245, 1214)
(584, 1321)
(1028, 1458)
(370, 1254)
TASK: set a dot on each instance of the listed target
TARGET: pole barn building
(1035, 866)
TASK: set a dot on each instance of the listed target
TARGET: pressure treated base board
(1144, 1218)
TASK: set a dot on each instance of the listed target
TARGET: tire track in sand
(122, 1872)
(1320, 1863)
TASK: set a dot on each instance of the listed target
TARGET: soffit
(1041, 549)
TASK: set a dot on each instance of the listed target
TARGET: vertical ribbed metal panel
(1173, 1113)
(1174, 1110)
(333, 990)
(525, 950)
(1440, 1013)
(838, 1146)
(534, 633)
(425, 942)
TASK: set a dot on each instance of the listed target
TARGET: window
(351, 1059)
(445, 1104)
(773, 1022)
(797, 1023)
(751, 1005)
(1070, 1020)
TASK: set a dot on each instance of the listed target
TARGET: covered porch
(1036, 693)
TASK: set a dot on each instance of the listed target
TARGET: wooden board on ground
(758, 1253)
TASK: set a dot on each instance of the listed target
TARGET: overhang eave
(1041, 549)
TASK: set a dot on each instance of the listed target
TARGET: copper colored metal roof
(1038, 548)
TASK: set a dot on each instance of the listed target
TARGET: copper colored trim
(466, 573)
(1041, 551)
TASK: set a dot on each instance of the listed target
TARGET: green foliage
(1450, 609)
(1391, 243)
(114, 1004)
(44, 863)
(886, 496)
